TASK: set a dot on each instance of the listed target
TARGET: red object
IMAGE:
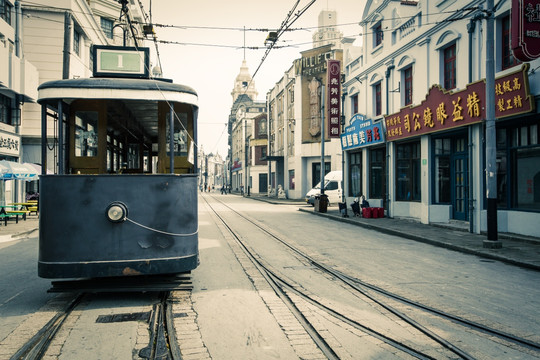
(366, 213)
(381, 212)
(375, 212)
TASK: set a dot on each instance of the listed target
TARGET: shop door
(263, 183)
(460, 178)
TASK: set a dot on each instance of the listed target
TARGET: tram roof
(116, 88)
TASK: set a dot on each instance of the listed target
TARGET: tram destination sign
(119, 61)
(442, 110)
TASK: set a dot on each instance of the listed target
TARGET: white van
(332, 188)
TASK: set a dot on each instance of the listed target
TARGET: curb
(427, 240)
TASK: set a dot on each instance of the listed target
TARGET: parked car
(333, 188)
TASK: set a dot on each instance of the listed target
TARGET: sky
(205, 48)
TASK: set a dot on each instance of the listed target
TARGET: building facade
(245, 141)
(415, 116)
(295, 125)
(18, 89)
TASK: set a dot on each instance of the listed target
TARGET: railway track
(162, 340)
(376, 295)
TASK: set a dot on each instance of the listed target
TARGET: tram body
(123, 198)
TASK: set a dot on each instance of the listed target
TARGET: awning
(13, 170)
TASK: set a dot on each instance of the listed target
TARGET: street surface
(232, 314)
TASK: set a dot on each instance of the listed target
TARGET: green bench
(6, 215)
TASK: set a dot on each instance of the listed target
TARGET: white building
(419, 80)
(18, 89)
(57, 38)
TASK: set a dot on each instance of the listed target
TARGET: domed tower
(244, 84)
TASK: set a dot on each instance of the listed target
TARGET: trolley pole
(491, 144)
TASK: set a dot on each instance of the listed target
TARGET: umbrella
(14, 170)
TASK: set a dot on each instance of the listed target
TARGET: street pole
(491, 144)
(322, 139)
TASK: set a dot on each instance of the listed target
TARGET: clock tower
(244, 84)
(327, 32)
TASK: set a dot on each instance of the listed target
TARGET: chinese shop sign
(443, 110)
(362, 132)
(526, 29)
(334, 98)
(9, 144)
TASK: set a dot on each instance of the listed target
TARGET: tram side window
(180, 135)
(133, 156)
(86, 135)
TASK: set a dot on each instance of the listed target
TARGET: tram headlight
(116, 212)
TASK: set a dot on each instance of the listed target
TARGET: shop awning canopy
(14, 170)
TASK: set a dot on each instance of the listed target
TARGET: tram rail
(283, 287)
(358, 286)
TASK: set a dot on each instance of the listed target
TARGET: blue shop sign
(361, 133)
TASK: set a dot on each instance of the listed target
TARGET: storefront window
(408, 172)
(86, 134)
(377, 169)
(518, 154)
(442, 170)
(355, 174)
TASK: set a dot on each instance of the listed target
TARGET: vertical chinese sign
(526, 29)
(334, 98)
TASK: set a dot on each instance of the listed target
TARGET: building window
(107, 27)
(355, 174)
(508, 60)
(354, 104)
(5, 11)
(77, 42)
(408, 172)
(443, 149)
(378, 35)
(378, 98)
(291, 179)
(5, 109)
(408, 85)
(377, 172)
(518, 174)
(450, 67)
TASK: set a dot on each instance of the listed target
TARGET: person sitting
(355, 207)
(364, 203)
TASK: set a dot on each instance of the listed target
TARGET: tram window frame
(181, 136)
(82, 125)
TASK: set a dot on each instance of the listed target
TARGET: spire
(244, 84)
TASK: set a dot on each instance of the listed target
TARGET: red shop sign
(442, 110)
(334, 98)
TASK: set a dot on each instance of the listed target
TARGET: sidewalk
(13, 230)
(517, 250)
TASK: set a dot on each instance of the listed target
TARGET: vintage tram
(122, 200)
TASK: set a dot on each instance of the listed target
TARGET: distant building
(327, 32)
(242, 131)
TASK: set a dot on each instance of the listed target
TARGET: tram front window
(86, 135)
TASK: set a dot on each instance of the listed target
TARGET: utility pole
(491, 143)
(322, 138)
